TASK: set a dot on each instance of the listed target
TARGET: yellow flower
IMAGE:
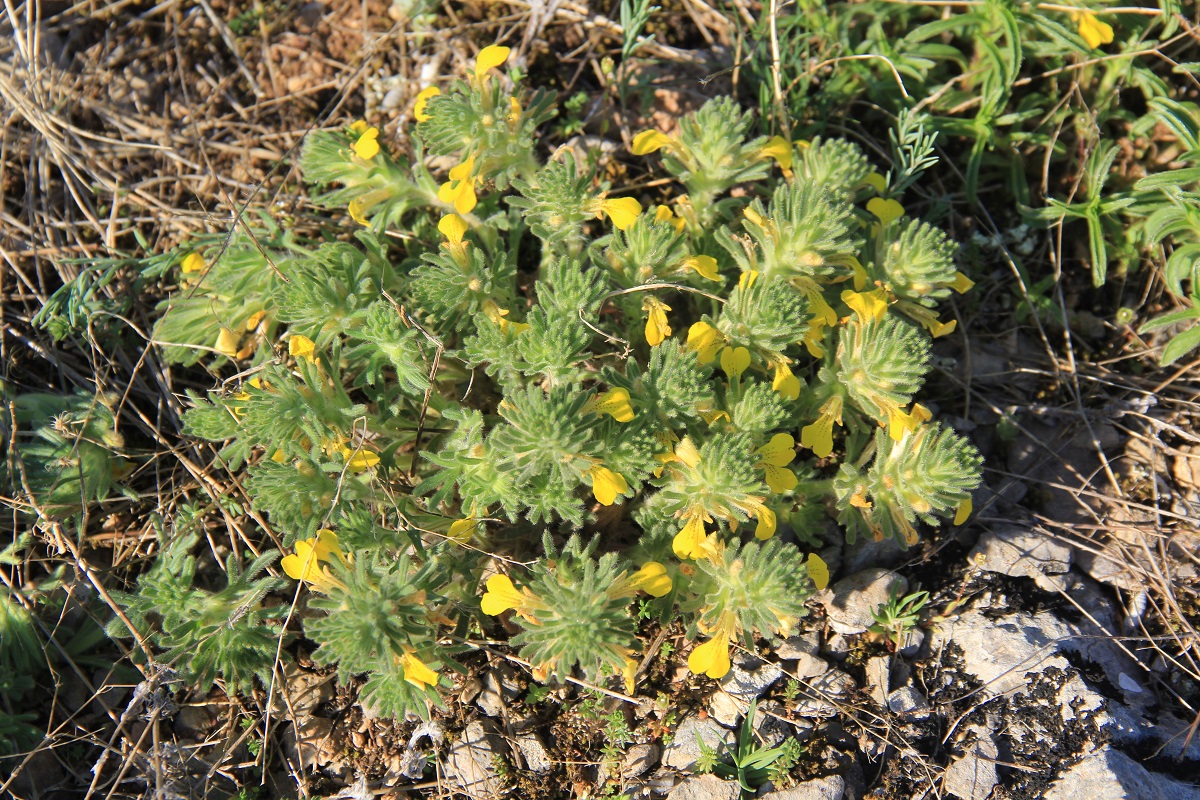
(735, 361)
(461, 529)
(869, 306)
(779, 149)
(423, 98)
(227, 342)
(623, 211)
(607, 485)
(305, 563)
(359, 460)
(774, 456)
(785, 382)
(818, 570)
(664, 214)
(416, 672)
(963, 513)
(766, 523)
(501, 596)
(366, 146)
(1092, 29)
(657, 328)
(900, 423)
(961, 283)
(497, 315)
(876, 182)
(706, 340)
(459, 191)
(192, 262)
(648, 142)
(652, 579)
(254, 319)
(514, 111)
(614, 402)
(491, 56)
(691, 540)
(454, 228)
(887, 210)
(818, 436)
(706, 266)
(302, 347)
(712, 657)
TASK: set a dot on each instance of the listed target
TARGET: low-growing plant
(492, 368)
(899, 615)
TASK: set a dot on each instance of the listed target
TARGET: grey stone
(802, 651)
(973, 776)
(309, 743)
(470, 762)
(909, 701)
(832, 787)
(1020, 552)
(850, 603)
(750, 678)
(823, 694)
(534, 752)
(837, 646)
(910, 642)
(683, 751)
(706, 787)
(866, 553)
(640, 759)
(195, 721)
(499, 688)
(1108, 774)
(877, 678)
(300, 692)
(769, 726)
(726, 708)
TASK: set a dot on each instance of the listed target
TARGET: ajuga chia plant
(441, 443)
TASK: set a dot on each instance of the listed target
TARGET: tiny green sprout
(899, 614)
(750, 763)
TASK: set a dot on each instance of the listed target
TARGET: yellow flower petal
(357, 209)
(887, 210)
(961, 284)
(359, 126)
(501, 595)
(689, 542)
(785, 382)
(192, 262)
(423, 98)
(779, 149)
(779, 479)
(876, 182)
(367, 146)
(652, 579)
(766, 523)
(900, 422)
(614, 402)
(302, 347)
(818, 436)
(818, 570)
(1094, 31)
(360, 460)
(711, 658)
(461, 529)
(871, 305)
(687, 453)
(705, 340)
(454, 228)
(607, 485)
(657, 328)
(491, 56)
(735, 361)
(706, 266)
(623, 211)
(747, 279)
(664, 214)
(779, 452)
(648, 142)
(254, 319)
(416, 672)
(964, 511)
(227, 342)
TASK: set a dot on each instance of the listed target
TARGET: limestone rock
(470, 762)
(1108, 774)
(850, 603)
(1020, 552)
(639, 760)
(683, 751)
(750, 678)
(706, 787)
(973, 776)
(832, 787)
